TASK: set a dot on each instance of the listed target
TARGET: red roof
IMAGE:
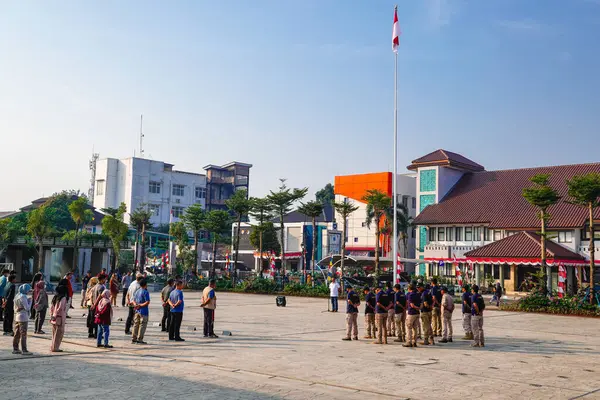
(523, 245)
(445, 158)
(494, 198)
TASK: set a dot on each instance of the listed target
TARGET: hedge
(568, 305)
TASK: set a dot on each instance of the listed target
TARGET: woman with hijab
(36, 278)
(58, 317)
(103, 318)
(89, 303)
(22, 307)
(40, 305)
(114, 289)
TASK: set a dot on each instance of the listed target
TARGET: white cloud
(521, 25)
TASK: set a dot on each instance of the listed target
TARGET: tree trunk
(282, 235)
(343, 248)
(314, 247)
(40, 255)
(143, 249)
(260, 249)
(214, 257)
(377, 235)
(137, 248)
(75, 250)
(547, 281)
(237, 249)
(196, 251)
(592, 253)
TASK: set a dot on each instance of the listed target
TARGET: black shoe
(172, 339)
(450, 340)
(205, 335)
(108, 346)
(134, 342)
(347, 338)
(407, 345)
(163, 330)
(444, 341)
(68, 316)
(128, 332)
(214, 336)
(41, 333)
(99, 345)
(180, 340)
(90, 336)
(141, 342)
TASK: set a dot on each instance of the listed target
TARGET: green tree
(265, 237)
(39, 227)
(58, 210)
(8, 233)
(240, 205)
(378, 204)
(404, 224)
(344, 209)
(312, 209)
(193, 219)
(282, 201)
(262, 212)
(80, 214)
(541, 195)
(326, 195)
(116, 230)
(184, 256)
(140, 220)
(584, 191)
(110, 211)
(218, 223)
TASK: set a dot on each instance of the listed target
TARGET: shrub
(568, 305)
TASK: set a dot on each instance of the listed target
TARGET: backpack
(384, 299)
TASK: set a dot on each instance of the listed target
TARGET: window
(154, 187)
(200, 192)
(100, 187)
(355, 240)
(476, 233)
(177, 212)
(487, 234)
(468, 234)
(241, 180)
(178, 190)
(364, 224)
(405, 201)
(450, 234)
(414, 233)
(497, 235)
(585, 233)
(441, 235)
(414, 202)
(565, 237)
(458, 232)
(154, 209)
(431, 235)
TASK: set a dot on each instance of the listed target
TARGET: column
(477, 274)
(501, 266)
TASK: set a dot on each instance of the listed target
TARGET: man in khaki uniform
(436, 312)
(447, 309)
(381, 313)
(426, 307)
(370, 304)
(209, 303)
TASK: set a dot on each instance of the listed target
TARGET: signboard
(334, 242)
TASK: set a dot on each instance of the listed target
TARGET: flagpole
(395, 177)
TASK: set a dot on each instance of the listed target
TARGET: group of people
(425, 312)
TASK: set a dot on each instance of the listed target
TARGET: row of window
(177, 190)
(477, 233)
(176, 210)
(405, 199)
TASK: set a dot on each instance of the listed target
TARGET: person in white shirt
(22, 306)
(135, 285)
(334, 292)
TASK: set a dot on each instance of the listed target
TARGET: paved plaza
(296, 352)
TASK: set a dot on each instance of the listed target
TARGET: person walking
(209, 303)
(436, 312)
(426, 307)
(114, 289)
(466, 312)
(353, 302)
(413, 301)
(399, 313)
(103, 319)
(141, 303)
(133, 287)
(381, 312)
(40, 305)
(498, 293)
(334, 292)
(164, 296)
(21, 307)
(3, 285)
(391, 325)
(58, 317)
(125, 282)
(176, 303)
(370, 304)
(84, 286)
(9, 305)
(447, 310)
(477, 307)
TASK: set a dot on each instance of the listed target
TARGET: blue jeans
(334, 304)
(103, 330)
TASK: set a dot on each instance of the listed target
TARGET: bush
(298, 289)
(257, 285)
(568, 305)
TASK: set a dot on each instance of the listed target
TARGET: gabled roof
(494, 198)
(447, 159)
(295, 216)
(523, 245)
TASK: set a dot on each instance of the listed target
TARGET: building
(223, 181)
(136, 181)
(479, 220)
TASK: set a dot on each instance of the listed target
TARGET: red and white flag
(399, 268)
(396, 32)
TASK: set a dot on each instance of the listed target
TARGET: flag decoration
(459, 278)
(273, 266)
(395, 32)
(399, 268)
(227, 262)
(562, 280)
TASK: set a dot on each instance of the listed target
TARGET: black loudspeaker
(280, 301)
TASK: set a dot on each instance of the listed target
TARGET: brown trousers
(436, 321)
(427, 331)
(370, 325)
(412, 322)
(447, 325)
(352, 325)
(400, 320)
(58, 331)
(381, 322)
(20, 335)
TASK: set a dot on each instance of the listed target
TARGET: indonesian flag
(562, 280)
(171, 217)
(395, 32)
(273, 266)
(459, 279)
(227, 262)
(399, 268)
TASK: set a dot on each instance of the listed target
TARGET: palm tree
(193, 219)
(344, 209)
(140, 220)
(81, 214)
(114, 227)
(312, 209)
(239, 205)
(262, 212)
(218, 223)
(377, 205)
(404, 223)
(39, 226)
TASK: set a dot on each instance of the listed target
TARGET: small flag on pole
(396, 32)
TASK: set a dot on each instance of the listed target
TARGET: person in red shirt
(69, 285)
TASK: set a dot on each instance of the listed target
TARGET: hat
(367, 288)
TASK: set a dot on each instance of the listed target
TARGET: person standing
(426, 307)
(498, 292)
(413, 301)
(381, 313)
(84, 286)
(40, 305)
(89, 303)
(436, 313)
(334, 292)
(95, 298)
(370, 304)
(209, 303)
(176, 303)
(125, 282)
(9, 305)
(3, 284)
(399, 313)
(22, 307)
(447, 310)
(114, 289)
(103, 319)
(141, 303)
(69, 285)
(391, 326)
(58, 316)
(466, 312)
(39, 276)
(133, 287)
(477, 307)
(353, 302)
(164, 296)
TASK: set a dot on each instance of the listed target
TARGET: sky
(303, 90)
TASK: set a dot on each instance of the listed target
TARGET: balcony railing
(443, 251)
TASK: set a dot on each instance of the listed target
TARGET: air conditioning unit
(177, 201)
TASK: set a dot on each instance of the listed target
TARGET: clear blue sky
(301, 89)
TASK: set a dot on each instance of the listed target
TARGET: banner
(562, 280)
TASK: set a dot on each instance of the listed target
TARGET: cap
(419, 284)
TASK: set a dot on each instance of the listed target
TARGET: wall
(447, 178)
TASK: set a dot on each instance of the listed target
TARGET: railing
(445, 251)
(81, 243)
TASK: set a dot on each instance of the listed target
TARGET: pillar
(501, 266)
(477, 274)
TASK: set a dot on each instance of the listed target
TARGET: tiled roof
(445, 158)
(494, 198)
(296, 216)
(523, 245)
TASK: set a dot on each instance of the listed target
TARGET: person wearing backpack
(381, 312)
(447, 309)
(370, 305)
(466, 312)
(353, 300)
(426, 307)
(477, 307)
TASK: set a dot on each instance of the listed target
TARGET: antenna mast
(141, 136)
(93, 176)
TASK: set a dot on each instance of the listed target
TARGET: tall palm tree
(81, 214)
(218, 223)
(140, 220)
(239, 204)
(39, 226)
(345, 209)
(377, 205)
(262, 212)
(193, 219)
(313, 210)
(404, 223)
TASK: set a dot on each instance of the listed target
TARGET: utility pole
(141, 136)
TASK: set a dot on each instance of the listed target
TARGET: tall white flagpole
(395, 42)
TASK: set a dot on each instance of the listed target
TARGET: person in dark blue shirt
(176, 303)
(391, 326)
(413, 305)
(381, 312)
(370, 304)
(436, 314)
(426, 307)
(477, 306)
(399, 313)
(141, 302)
(466, 312)
(352, 303)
